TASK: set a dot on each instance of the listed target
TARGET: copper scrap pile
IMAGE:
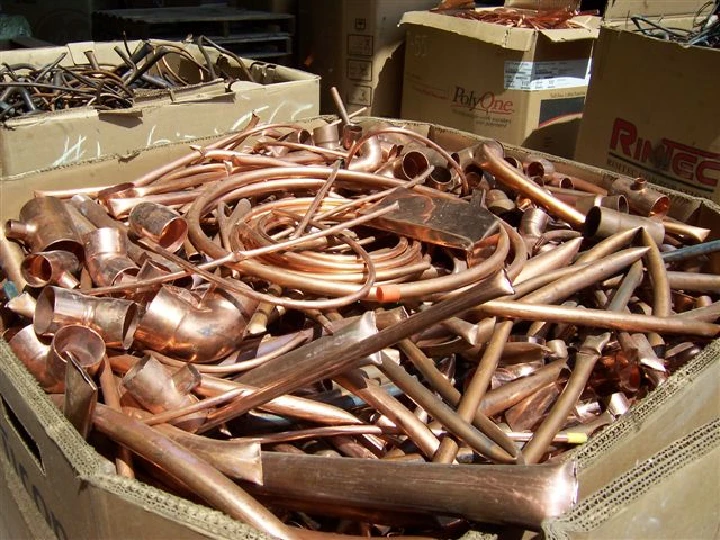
(27, 89)
(291, 326)
(521, 18)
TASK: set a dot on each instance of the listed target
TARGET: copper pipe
(320, 359)
(605, 222)
(697, 234)
(111, 396)
(44, 225)
(11, 257)
(51, 267)
(327, 136)
(643, 199)
(607, 246)
(292, 406)
(451, 395)
(411, 165)
(370, 156)
(498, 202)
(82, 343)
(538, 166)
(585, 185)
(522, 184)
(114, 319)
(691, 281)
(159, 224)
(205, 480)
(23, 305)
(106, 256)
(530, 411)
(196, 328)
(627, 287)
(662, 299)
(319, 196)
(503, 494)
(467, 409)
(502, 398)
(194, 406)
(614, 202)
(33, 353)
(151, 385)
(558, 257)
(598, 318)
(367, 389)
(707, 314)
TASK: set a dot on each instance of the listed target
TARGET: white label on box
(546, 75)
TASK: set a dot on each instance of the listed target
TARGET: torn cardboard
(158, 117)
(652, 111)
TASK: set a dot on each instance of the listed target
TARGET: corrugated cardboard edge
(517, 39)
(630, 486)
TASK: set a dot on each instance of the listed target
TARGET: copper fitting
(85, 346)
(643, 200)
(351, 133)
(160, 224)
(615, 202)
(114, 319)
(194, 328)
(696, 234)
(11, 258)
(33, 353)
(691, 281)
(327, 136)
(106, 256)
(370, 157)
(45, 225)
(443, 179)
(606, 222)
(533, 224)
(158, 391)
(411, 165)
(498, 202)
(51, 268)
(537, 166)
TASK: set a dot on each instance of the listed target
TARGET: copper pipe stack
(355, 330)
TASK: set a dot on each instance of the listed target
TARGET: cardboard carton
(157, 118)
(60, 483)
(518, 85)
(357, 46)
(652, 111)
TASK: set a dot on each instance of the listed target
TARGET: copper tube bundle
(347, 330)
(517, 18)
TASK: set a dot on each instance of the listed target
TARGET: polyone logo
(682, 161)
(487, 102)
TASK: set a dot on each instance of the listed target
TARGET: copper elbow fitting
(351, 133)
(534, 222)
(106, 256)
(84, 344)
(51, 268)
(615, 202)
(642, 199)
(605, 222)
(150, 383)
(45, 225)
(114, 319)
(160, 224)
(179, 323)
(411, 165)
(443, 179)
(370, 157)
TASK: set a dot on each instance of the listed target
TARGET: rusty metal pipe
(115, 319)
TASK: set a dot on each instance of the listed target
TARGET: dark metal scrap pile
(27, 89)
(291, 325)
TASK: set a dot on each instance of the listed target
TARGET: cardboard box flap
(517, 39)
(590, 30)
(624, 9)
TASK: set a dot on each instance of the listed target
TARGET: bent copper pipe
(51, 268)
(114, 319)
(192, 327)
(158, 223)
(155, 389)
(598, 318)
(494, 493)
(106, 256)
(11, 258)
(516, 180)
(691, 281)
(558, 257)
(205, 480)
(45, 225)
(370, 157)
(605, 222)
(642, 199)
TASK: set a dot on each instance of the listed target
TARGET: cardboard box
(69, 488)
(518, 85)
(652, 111)
(357, 46)
(157, 118)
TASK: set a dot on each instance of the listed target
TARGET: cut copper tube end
(327, 136)
(539, 167)
(51, 267)
(442, 179)
(114, 318)
(84, 344)
(606, 222)
(106, 256)
(351, 133)
(160, 224)
(23, 305)
(534, 222)
(615, 202)
(642, 199)
(411, 165)
(45, 225)
(697, 234)
(149, 382)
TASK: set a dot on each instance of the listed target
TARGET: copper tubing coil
(284, 240)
